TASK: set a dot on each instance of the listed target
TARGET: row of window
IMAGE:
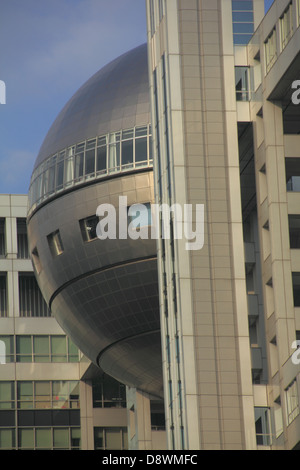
(40, 438)
(38, 395)
(37, 348)
(285, 29)
(91, 159)
(88, 228)
(31, 301)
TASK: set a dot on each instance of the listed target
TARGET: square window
(55, 243)
(88, 228)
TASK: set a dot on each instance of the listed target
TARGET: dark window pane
(243, 17)
(294, 229)
(241, 39)
(127, 152)
(141, 149)
(101, 158)
(243, 28)
(89, 162)
(242, 5)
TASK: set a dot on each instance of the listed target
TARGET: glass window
(243, 21)
(22, 239)
(72, 351)
(101, 158)
(58, 349)
(43, 438)
(61, 438)
(60, 170)
(25, 395)
(90, 157)
(2, 237)
(271, 50)
(286, 26)
(296, 288)
(127, 153)
(3, 305)
(262, 426)
(7, 395)
(42, 395)
(99, 438)
(41, 348)
(88, 228)
(60, 394)
(51, 179)
(242, 83)
(75, 438)
(292, 401)
(24, 348)
(79, 158)
(114, 152)
(36, 260)
(26, 438)
(55, 243)
(6, 349)
(7, 439)
(69, 166)
(292, 171)
(294, 230)
(141, 149)
(110, 438)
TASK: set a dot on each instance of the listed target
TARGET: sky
(48, 49)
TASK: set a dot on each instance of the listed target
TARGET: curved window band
(92, 159)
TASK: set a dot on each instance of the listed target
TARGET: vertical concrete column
(139, 420)
(86, 415)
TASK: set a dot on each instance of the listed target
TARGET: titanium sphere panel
(103, 293)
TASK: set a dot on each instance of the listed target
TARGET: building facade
(50, 395)
(225, 133)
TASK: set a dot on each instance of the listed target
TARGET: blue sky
(48, 49)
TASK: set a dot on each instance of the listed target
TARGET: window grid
(56, 394)
(48, 438)
(38, 348)
(91, 159)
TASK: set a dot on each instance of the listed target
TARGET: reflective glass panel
(24, 349)
(6, 395)
(26, 438)
(41, 348)
(43, 438)
(25, 395)
(61, 438)
(58, 349)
